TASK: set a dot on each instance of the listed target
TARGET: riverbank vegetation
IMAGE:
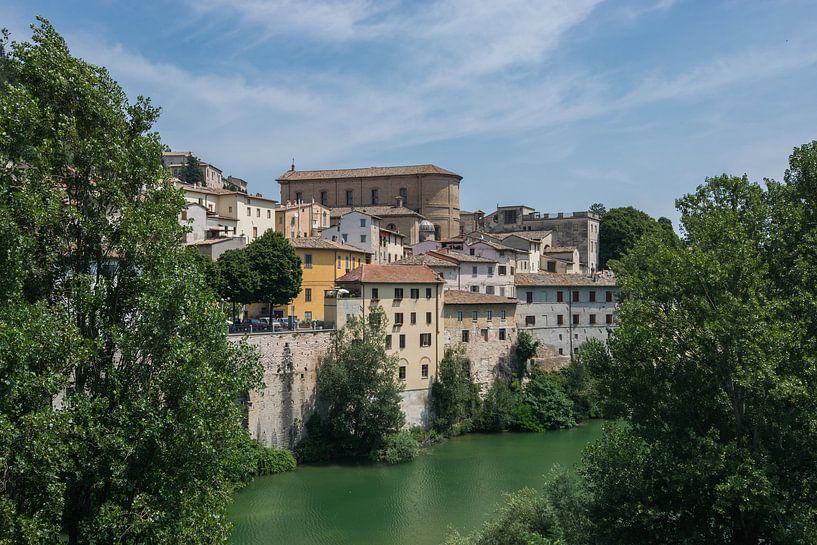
(712, 371)
(118, 388)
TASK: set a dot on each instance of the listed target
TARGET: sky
(556, 104)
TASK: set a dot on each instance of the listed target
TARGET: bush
(397, 448)
(549, 407)
(454, 396)
(317, 446)
(425, 437)
(275, 460)
(497, 412)
(578, 383)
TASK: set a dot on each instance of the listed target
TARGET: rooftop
(458, 297)
(375, 210)
(534, 236)
(460, 257)
(560, 250)
(559, 279)
(368, 172)
(319, 243)
(391, 274)
(426, 259)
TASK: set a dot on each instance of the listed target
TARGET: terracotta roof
(368, 172)
(319, 243)
(533, 236)
(426, 259)
(460, 257)
(375, 210)
(391, 274)
(559, 279)
(497, 246)
(458, 297)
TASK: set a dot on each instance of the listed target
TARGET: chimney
(399, 201)
(258, 195)
(292, 168)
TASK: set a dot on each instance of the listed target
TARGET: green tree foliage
(275, 269)
(236, 281)
(544, 405)
(358, 388)
(192, 171)
(622, 228)
(497, 412)
(599, 209)
(454, 396)
(526, 348)
(118, 421)
(397, 448)
(578, 380)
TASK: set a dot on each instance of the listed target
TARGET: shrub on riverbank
(454, 396)
(397, 448)
(275, 460)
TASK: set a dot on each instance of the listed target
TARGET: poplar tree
(118, 414)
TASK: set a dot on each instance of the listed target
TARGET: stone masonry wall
(277, 414)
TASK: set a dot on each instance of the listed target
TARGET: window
(363, 222)
(560, 319)
(339, 262)
(428, 317)
(388, 342)
(465, 335)
(503, 334)
(592, 319)
(362, 238)
(489, 290)
(592, 296)
(398, 293)
(561, 352)
(608, 296)
(575, 296)
(230, 209)
(299, 196)
(398, 318)
(428, 293)
(375, 196)
(349, 197)
(425, 339)
(345, 237)
(473, 271)
(375, 293)
(255, 232)
(530, 320)
(501, 314)
(608, 319)
(307, 261)
(249, 211)
(502, 270)
(424, 371)
(413, 318)
(402, 372)
(551, 266)
(529, 297)
(484, 334)
(490, 270)
(402, 341)
(489, 315)
(347, 263)
(257, 212)
(308, 295)
(475, 289)
(269, 214)
(324, 198)
(459, 315)
(471, 251)
(415, 293)
(308, 316)
(474, 315)
(560, 297)
(575, 319)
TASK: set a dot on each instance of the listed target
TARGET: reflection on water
(458, 484)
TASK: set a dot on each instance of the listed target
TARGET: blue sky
(554, 103)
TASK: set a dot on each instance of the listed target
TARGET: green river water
(457, 484)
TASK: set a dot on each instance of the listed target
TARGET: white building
(366, 231)
(463, 272)
(562, 311)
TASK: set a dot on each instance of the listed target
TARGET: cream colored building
(301, 219)
(233, 213)
(412, 299)
(429, 190)
(176, 161)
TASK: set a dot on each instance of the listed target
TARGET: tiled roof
(497, 246)
(319, 243)
(535, 235)
(375, 210)
(460, 257)
(559, 279)
(426, 259)
(369, 172)
(391, 274)
(457, 297)
(560, 249)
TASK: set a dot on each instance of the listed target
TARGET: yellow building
(322, 262)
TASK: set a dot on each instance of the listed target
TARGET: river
(457, 484)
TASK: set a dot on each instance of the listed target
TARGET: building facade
(485, 327)
(429, 190)
(301, 219)
(463, 272)
(366, 232)
(562, 311)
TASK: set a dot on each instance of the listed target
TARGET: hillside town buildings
(430, 191)
(367, 232)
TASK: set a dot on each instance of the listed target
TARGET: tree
(454, 396)
(497, 412)
(358, 388)
(192, 171)
(620, 229)
(544, 404)
(526, 348)
(236, 281)
(275, 269)
(599, 209)
(118, 420)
